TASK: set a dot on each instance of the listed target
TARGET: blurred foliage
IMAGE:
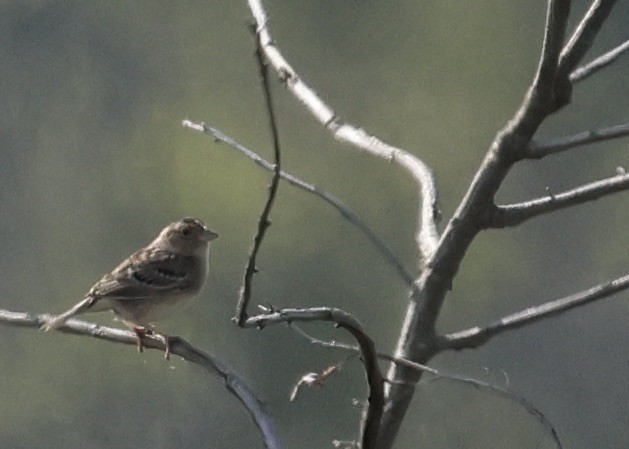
(93, 163)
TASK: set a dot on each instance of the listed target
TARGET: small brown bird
(153, 282)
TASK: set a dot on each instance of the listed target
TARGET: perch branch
(263, 222)
(233, 382)
(597, 64)
(515, 214)
(367, 349)
(541, 149)
(477, 336)
(427, 235)
(379, 243)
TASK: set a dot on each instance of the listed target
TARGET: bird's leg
(142, 331)
(165, 339)
(139, 331)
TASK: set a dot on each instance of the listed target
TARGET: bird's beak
(208, 235)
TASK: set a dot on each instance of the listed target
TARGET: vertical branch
(263, 222)
(417, 337)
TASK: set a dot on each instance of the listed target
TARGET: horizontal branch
(602, 61)
(538, 150)
(515, 214)
(233, 382)
(477, 336)
(367, 347)
(427, 235)
(382, 247)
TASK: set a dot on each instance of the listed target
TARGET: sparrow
(153, 282)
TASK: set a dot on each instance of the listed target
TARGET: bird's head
(188, 236)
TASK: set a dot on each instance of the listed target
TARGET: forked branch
(375, 405)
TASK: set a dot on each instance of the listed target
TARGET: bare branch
(515, 214)
(263, 222)
(555, 29)
(510, 145)
(382, 247)
(367, 350)
(597, 64)
(583, 37)
(477, 336)
(539, 150)
(427, 235)
(440, 375)
(233, 381)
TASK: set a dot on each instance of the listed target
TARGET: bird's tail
(59, 320)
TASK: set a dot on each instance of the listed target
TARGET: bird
(151, 283)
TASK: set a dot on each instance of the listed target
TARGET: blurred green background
(93, 162)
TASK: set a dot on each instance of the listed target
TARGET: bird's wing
(148, 272)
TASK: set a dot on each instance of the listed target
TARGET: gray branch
(233, 381)
(263, 221)
(515, 214)
(597, 64)
(427, 235)
(477, 336)
(416, 341)
(375, 405)
(541, 149)
(585, 33)
(382, 247)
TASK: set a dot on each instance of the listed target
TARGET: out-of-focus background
(93, 162)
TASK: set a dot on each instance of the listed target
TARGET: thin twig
(515, 214)
(263, 222)
(427, 235)
(375, 404)
(477, 336)
(597, 64)
(233, 381)
(379, 243)
(525, 403)
(583, 37)
(440, 375)
(538, 150)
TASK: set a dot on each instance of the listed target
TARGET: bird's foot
(143, 331)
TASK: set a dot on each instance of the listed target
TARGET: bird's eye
(186, 231)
